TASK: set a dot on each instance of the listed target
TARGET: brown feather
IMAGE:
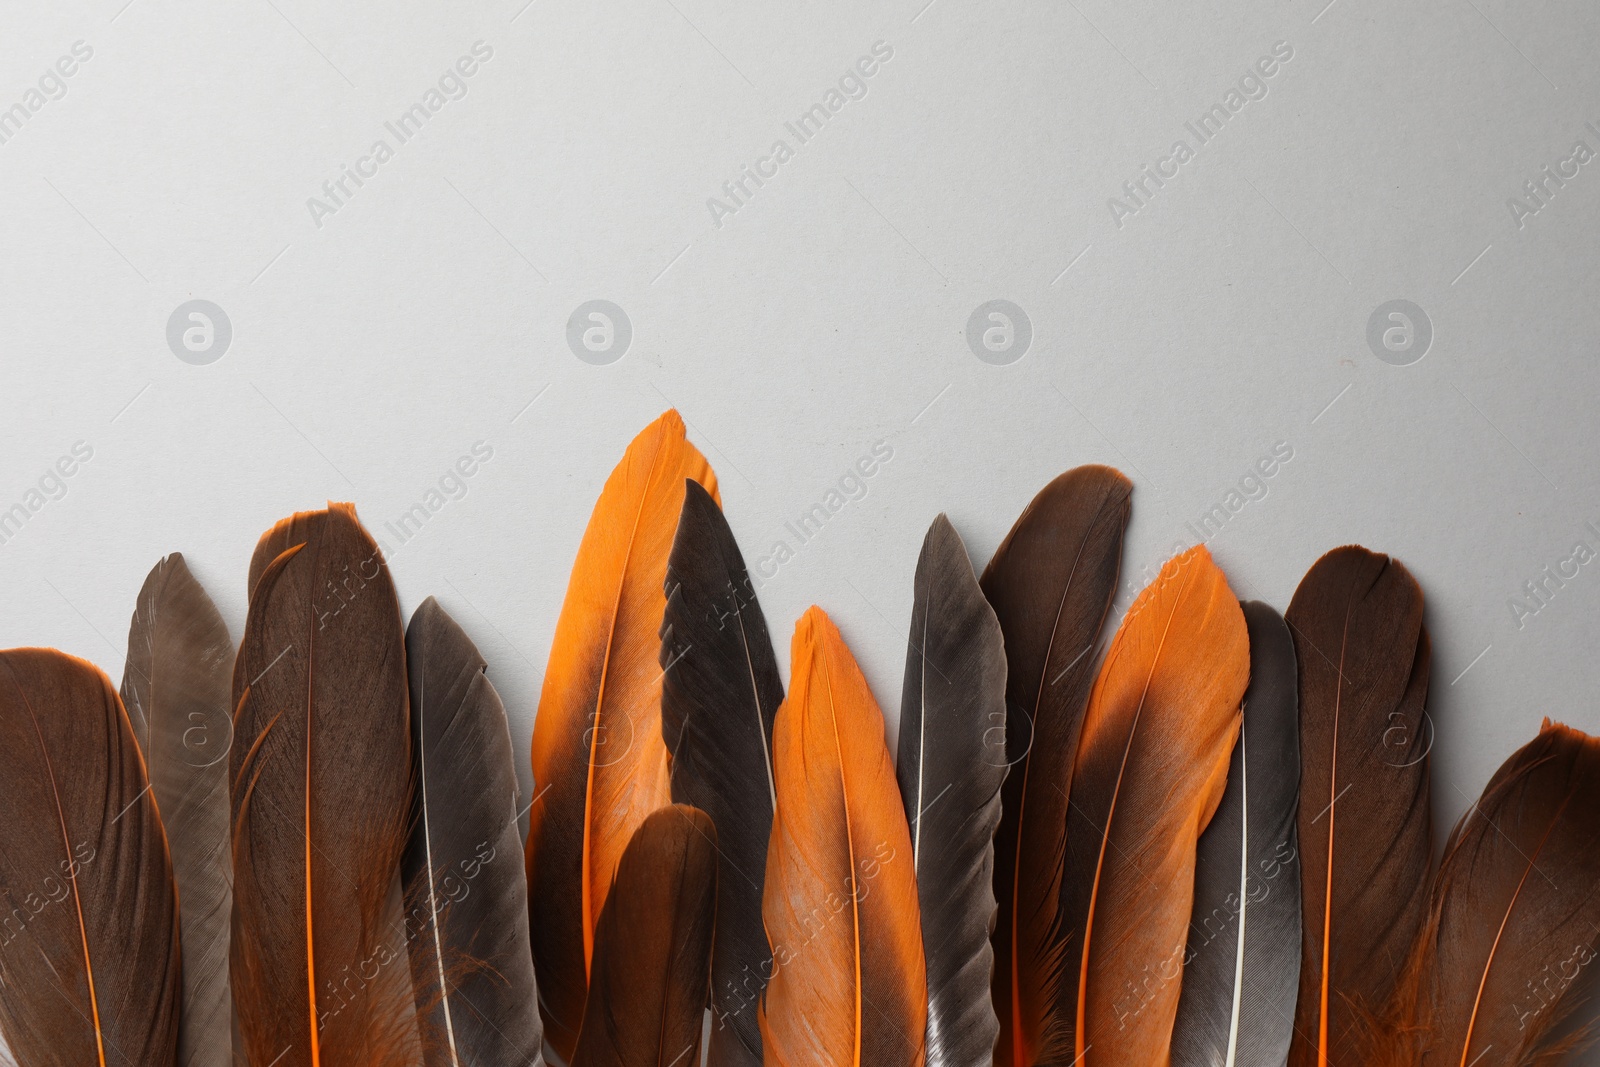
(90, 971)
(599, 762)
(840, 903)
(1364, 818)
(1051, 583)
(321, 773)
(1502, 972)
(176, 687)
(652, 949)
(1151, 767)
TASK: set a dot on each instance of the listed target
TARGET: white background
(1227, 315)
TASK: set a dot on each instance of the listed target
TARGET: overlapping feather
(321, 787)
(600, 765)
(466, 896)
(840, 901)
(652, 955)
(1051, 583)
(1150, 770)
(1242, 962)
(90, 971)
(718, 698)
(951, 766)
(176, 689)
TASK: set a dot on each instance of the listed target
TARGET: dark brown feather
(1364, 822)
(652, 952)
(719, 694)
(1051, 583)
(1504, 970)
(321, 784)
(89, 961)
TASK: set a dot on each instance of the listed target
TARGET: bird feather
(90, 968)
(600, 764)
(952, 763)
(1242, 964)
(1051, 583)
(321, 787)
(1151, 766)
(718, 698)
(176, 689)
(1362, 654)
(840, 903)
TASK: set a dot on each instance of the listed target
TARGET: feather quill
(600, 764)
(718, 698)
(1242, 964)
(1503, 970)
(467, 899)
(951, 766)
(652, 957)
(1363, 654)
(849, 987)
(176, 689)
(89, 958)
(1051, 583)
(321, 787)
(1151, 766)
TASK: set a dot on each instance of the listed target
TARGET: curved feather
(599, 762)
(849, 984)
(89, 958)
(1152, 763)
(718, 700)
(1503, 970)
(652, 954)
(467, 899)
(321, 787)
(1051, 583)
(176, 688)
(951, 766)
(1236, 1008)
(1365, 825)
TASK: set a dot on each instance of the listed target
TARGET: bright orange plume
(840, 905)
(1151, 767)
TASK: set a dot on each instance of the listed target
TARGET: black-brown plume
(951, 766)
(1504, 971)
(176, 689)
(466, 894)
(1051, 583)
(652, 949)
(321, 773)
(718, 700)
(1363, 656)
(89, 961)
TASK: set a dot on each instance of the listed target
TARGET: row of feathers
(1207, 844)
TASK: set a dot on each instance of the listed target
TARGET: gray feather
(719, 694)
(466, 894)
(1247, 879)
(951, 765)
(176, 686)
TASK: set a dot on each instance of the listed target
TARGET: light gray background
(430, 311)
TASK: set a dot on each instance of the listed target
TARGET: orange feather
(840, 904)
(1151, 766)
(599, 763)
